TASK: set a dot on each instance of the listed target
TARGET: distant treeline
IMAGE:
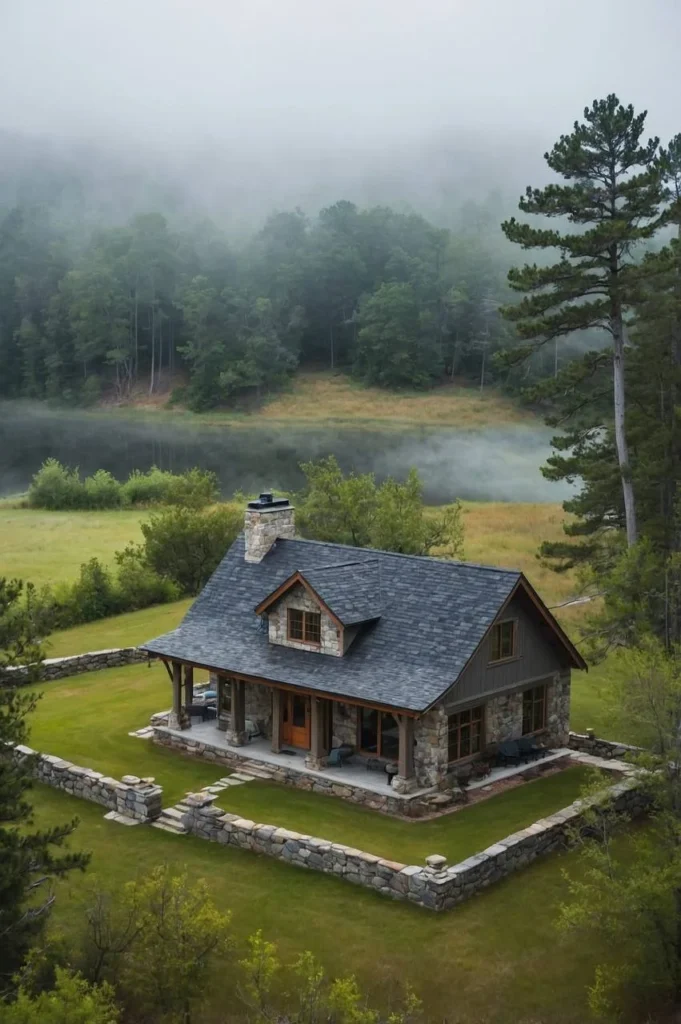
(400, 302)
(57, 487)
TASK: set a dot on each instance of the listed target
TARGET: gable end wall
(298, 597)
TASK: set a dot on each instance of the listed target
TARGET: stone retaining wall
(92, 661)
(436, 885)
(390, 802)
(131, 796)
(588, 743)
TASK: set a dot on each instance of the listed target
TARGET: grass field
(496, 958)
(323, 396)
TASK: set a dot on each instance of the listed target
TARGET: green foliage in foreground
(57, 487)
(72, 1001)
(28, 862)
(390, 516)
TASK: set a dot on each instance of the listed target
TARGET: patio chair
(529, 747)
(335, 759)
(509, 753)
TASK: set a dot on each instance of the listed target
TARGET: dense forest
(89, 309)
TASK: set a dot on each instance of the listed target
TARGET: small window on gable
(304, 627)
(504, 641)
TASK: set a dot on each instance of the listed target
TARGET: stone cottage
(318, 650)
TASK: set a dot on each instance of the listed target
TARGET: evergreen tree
(27, 859)
(615, 196)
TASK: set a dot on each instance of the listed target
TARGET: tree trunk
(153, 352)
(620, 433)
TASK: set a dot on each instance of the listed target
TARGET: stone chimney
(267, 520)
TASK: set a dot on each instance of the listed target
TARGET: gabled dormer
(324, 608)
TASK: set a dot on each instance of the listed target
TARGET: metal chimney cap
(267, 501)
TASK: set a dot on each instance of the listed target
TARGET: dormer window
(304, 627)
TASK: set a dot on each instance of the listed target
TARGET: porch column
(178, 718)
(316, 759)
(188, 685)
(405, 780)
(223, 718)
(276, 720)
(236, 734)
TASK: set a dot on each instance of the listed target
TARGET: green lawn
(497, 958)
(126, 630)
(49, 547)
(69, 722)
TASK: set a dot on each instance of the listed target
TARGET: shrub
(138, 584)
(56, 487)
(195, 488)
(102, 490)
(186, 545)
(93, 595)
(148, 488)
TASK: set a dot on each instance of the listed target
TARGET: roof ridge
(398, 554)
(340, 565)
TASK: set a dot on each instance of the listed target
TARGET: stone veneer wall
(435, 886)
(504, 713)
(344, 724)
(258, 700)
(60, 668)
(431, 753)
(134, 797)
(263, 528)
(298, 597)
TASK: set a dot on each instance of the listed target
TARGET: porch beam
(276, 720)
(188, 685)
(236, 734)
(316, 759)
(178, 717)
(405, 779)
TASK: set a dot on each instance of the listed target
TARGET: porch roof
(434, 614)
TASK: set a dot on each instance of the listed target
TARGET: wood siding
(539, 654)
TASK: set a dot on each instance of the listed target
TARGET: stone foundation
(134, 797)
(435, 885)
(60, 668)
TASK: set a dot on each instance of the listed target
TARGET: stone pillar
(276, 720)
(178, 717)
(223, 718)
(236, 734)
(316, 759)
(188, 685)
(405, 780)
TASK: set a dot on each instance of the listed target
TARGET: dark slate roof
(352, 590)
(434, 613)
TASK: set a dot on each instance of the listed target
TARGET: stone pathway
(170, 819)
(143, 734)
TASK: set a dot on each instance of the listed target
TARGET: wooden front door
(295, 720)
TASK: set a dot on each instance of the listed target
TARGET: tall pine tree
(614, 195)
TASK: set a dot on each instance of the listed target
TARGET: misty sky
(329, 73)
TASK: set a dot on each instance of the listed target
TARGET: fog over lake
(494, 464)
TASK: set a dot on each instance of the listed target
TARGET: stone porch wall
(431, 752)
(389, 802)
(588, 743)
(435, 886)
(134, 797)
(60, 668)
(298, 597)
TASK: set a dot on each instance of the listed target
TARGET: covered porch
(302, 730)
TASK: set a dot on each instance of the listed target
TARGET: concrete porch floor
(259, 749)
(517, 769)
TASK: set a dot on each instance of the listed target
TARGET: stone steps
(170, 820)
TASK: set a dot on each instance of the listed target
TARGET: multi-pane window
(534, 709)
(305, 627)
(503, 641)
(379, 733)
(464, 733)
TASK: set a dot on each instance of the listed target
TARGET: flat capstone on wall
(589, 743)
(61, 668)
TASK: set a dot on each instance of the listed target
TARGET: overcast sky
(172, 70)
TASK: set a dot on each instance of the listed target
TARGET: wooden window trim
(379, 735)
(516, 651)
(545, 700)
(303, 639)
(467, 757)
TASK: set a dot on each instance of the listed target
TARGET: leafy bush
(140, 586)
(93, 596)
(55, 487)
(101, 490)
(195, 488)
(148, 488)
(186, 545)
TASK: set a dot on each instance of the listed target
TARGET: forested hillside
(403, 303)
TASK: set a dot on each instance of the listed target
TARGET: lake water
(488, 464)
